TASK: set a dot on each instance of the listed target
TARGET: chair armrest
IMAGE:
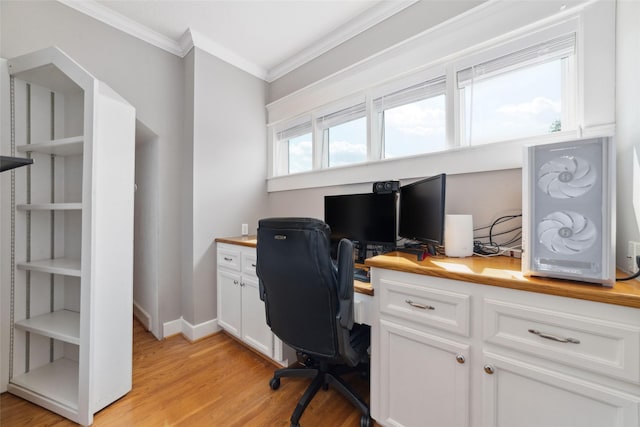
(345, 283)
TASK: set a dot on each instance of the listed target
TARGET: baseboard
(189, 331)
(143, 317)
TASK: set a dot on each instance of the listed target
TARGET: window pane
(300, 154)
(347, 142)
(415, 128)
(517, 104)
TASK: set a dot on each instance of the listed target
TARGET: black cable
(496, 222)
(633, 276)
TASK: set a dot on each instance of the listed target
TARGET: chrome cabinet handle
(553, 337)
(418, 305)
(489, 369)
(460, 359)
(228, 259)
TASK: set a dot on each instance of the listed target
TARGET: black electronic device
(386, 186)
(422, 205)
(8, 163)
(365, 218)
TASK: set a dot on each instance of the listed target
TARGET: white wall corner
(142, 316)
(189, 331)
(172, 327)
(196, 332)
(206, 44)
(186, 42)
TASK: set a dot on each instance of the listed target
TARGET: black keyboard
(361, 274)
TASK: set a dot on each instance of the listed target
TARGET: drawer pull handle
(235, 282)
(418, 305)
(253, 265)
(228, 259)
(553, 337)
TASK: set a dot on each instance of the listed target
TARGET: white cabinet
(71, 242)
(530, 395)
(529, 359)
(240, 310)
(419, 377)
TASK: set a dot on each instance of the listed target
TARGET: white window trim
(482, 28)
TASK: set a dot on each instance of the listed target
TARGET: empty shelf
(64, 266)
(56, 381)
(50, 207)
(63, 325)
(61, 147)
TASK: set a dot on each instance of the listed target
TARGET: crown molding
(357, 25)
(124, 24)
(192, 38)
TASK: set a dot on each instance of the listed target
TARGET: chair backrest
(306, 304)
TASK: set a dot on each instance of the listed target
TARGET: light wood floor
(213, 382)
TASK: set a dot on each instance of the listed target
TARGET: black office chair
(309, 306)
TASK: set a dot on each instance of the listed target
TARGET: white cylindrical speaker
(458, 235)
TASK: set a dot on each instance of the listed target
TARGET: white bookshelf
(71, 287)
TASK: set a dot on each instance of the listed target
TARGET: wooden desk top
(251, 241)
(506, 272)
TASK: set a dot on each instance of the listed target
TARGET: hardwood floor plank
(215, 381)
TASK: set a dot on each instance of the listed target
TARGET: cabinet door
(229, 301)
(255, 330)
(516, 394)
(424, 379)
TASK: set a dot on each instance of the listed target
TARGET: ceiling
(267, 38)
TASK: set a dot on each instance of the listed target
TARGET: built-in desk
(472, 342)
(505, 272)
(251, 241)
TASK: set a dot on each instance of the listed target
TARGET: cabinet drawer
(432, 307)
(228, 258)
(249, 263)
(600, 346)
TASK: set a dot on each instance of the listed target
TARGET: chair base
(322, 376)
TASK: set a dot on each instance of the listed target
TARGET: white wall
(628, 126)
(146, 230)
(229, 169)
(149, 78)
(485, 195)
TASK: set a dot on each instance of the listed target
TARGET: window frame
(494, 26)
(522, 48)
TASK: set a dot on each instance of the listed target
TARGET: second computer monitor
(422, 206)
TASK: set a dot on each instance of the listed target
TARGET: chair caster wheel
(274, 383)
(365, 421)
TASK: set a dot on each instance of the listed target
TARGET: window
(296, 148)
(522, 94)
(412, 120)
(344, 136)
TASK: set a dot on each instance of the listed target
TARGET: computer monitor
(422, 210)
(364, 218)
